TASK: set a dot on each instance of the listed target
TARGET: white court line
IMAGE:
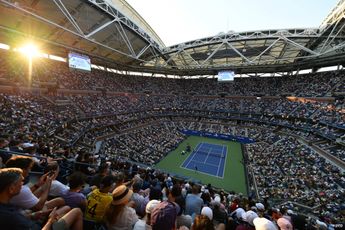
(226, 156)
(192, 170)
(196, 150)
(220, 163)
(208, 153)
(207, 164)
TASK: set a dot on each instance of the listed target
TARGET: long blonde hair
(113, 212)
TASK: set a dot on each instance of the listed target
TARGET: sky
(178, 21)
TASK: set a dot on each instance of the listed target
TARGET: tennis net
(220, 155)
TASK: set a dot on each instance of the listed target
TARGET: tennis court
(233, 170)
(208, 159)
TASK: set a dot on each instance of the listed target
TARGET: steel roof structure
(115, 36)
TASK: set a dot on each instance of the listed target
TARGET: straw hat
(121, 195)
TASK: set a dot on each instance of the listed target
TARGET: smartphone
(51, 173)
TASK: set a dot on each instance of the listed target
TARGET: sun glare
(29, 50)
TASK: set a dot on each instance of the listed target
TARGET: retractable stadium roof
(116, 36)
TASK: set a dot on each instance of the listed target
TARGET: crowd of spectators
(142, 124)
(307, 85)
(122, 195)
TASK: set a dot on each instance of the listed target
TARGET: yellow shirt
(97, 202)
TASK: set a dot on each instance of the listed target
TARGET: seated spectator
(57, 188)
(4, 154)
(34, 198)
(99, 199)
(145, 222)
(119, 214)
(11, 217)
(74, 198)
(103, 170)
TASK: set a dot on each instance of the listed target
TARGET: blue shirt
(193, 204)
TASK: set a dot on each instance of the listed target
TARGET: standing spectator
(165, 213)
(202, 222)
(193, 202)
(137, 198)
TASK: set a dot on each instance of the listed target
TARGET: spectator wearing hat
(205, 220)
(207, 211)
(164, 214)
(261, 223)
(219, 213)
(119, 215)
(247, 221)
(194, 202)
(260, 207)
(99, 199)
(284, 224)
(145, 222)
(237, 214)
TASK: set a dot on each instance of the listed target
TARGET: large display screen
(79, 61)
(226, 75)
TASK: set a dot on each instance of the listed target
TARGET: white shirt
(125, 220)
(57, 188)
(25, 199)
(141, 225)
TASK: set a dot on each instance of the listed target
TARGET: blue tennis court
(207, 158)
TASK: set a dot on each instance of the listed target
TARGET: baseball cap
(260, 206)
(284, 224)
(164, 215)
(151, 205)
(249, 216)
(261, 223)
(207, 212)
